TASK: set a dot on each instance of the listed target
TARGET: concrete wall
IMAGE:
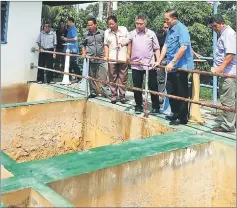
(105, 125)
(200, 176)
(23, 29)
(31, 132)
(25, 198)
(41, 131)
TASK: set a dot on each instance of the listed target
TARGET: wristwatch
(174, 62)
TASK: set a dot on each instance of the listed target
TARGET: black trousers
(74, 67)
(60, 60)
(45, 60)
(177, 84)
(137, 76)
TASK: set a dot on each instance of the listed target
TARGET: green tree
(195, 15)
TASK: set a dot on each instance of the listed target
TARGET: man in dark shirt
(93, 45)
(60, 33)
(161, 73)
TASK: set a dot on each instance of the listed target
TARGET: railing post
(146, 94)
(195, 112)
(66, 80)
(214, 92)
(84, 84)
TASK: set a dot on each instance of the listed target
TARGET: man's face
(69, 23)
(170, 21)
(140, 24)
(217, 27)
(91, 26)
(47, 27)
(165, 28)
(112, 25)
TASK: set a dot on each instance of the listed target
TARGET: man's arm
(106, 52)
(161, 57)
(129, 52)
(227, 60)
(229, 43)
(179, 54)
(83, 52)
(39, 42)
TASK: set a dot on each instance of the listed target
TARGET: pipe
(141, 90)
(140, 63)
(214, 92)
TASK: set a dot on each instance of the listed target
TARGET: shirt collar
(174, 26)
(142, 32)
(97, 31)
(119, 29)
(50, 32)
(224, 29)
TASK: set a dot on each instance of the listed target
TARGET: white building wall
(23, 29)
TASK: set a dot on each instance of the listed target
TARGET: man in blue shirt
(178, 50)
(72, 38)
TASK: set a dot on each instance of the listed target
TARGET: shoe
(40, 82)
(154, 111)
(138, 109)
(177, 122)
(113, 101)
(52, 82)
(220, 129)
(170, 118)
(123, 101)
(92, 96)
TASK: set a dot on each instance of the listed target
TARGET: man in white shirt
(225, 62)
(116, 47)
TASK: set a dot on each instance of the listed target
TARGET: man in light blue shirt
(72, 38)
(178, 50)
(225, 62)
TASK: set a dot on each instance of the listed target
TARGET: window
(4, 20)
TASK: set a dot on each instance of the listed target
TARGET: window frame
(4, 41)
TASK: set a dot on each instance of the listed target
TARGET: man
(116, 48)
(144, 43)
(93, 45)
(61, 33)
(161, 73)
(46, 41)
(225, 62)
(178, 49)
(72, 38)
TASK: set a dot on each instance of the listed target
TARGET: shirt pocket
(172, 39)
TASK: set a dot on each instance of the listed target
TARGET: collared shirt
(113, 39)
(72, 33)
(94, 44)
(161, 39)
(47, 40)
(226, 44)
(60, 33)
(144, 44)
(176, 37)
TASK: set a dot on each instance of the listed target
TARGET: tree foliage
(195, 15)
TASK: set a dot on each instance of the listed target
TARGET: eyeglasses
(166, 27)
(47, 26)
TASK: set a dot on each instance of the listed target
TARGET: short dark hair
(217, 18)
(71, 19)
(142, 16)
(92, 19)
(173, 13)
(112, 17)
(47, 23)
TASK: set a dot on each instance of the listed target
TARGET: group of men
(48, 40)
(116, 47)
